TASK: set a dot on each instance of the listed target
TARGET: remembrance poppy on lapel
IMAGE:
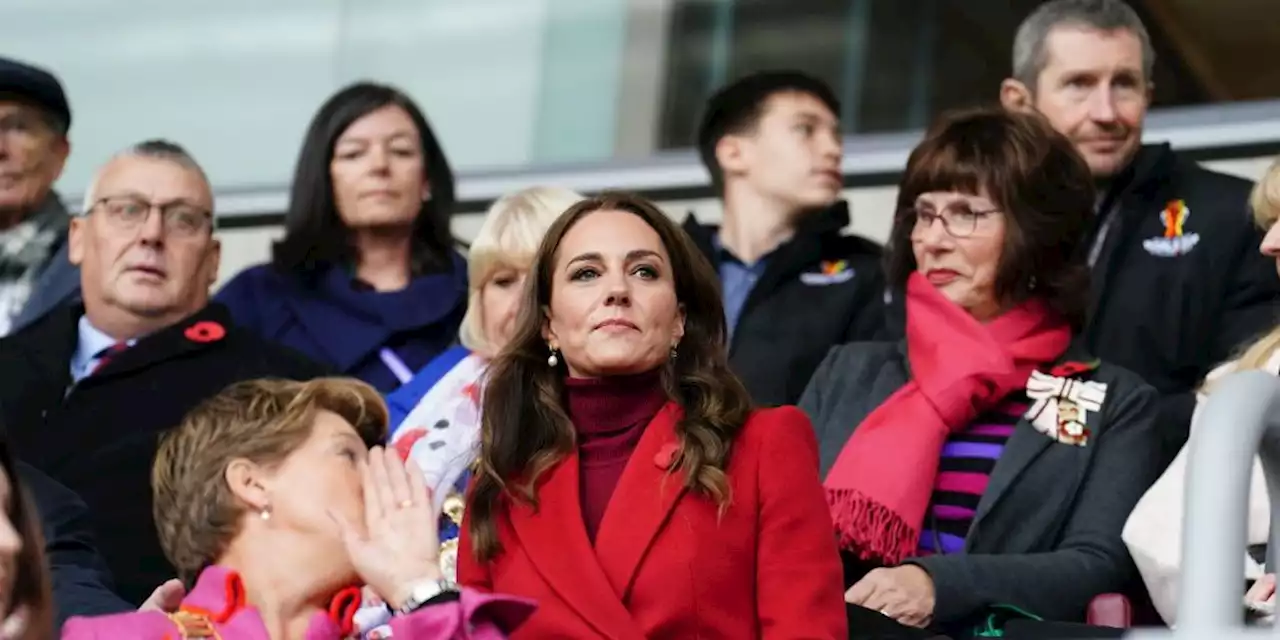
(1074, 368)
(205, 331)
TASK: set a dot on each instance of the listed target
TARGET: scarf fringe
(870, 530)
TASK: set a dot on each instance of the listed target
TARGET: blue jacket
(335, 320)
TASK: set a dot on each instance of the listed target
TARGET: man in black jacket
(1178, 281)
(793, 284)
(86, 390)
(81, 582)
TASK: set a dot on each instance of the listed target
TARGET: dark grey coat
(1046, 537)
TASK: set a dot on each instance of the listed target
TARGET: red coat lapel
(642, 502)
(555, 539)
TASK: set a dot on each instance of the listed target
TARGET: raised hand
(400, 544)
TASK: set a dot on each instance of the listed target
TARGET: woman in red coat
(625, 482)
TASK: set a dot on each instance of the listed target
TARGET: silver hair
(156, 149)
(1029, 55)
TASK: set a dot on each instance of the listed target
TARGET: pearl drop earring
(552, 360)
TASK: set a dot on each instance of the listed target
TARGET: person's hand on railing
(1262, 590)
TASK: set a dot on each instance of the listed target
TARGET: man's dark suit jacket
(81, 581)
(98, 437)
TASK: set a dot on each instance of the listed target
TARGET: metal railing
(1241, 419)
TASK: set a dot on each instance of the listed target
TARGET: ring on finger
(405, 504)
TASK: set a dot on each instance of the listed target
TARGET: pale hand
(904, 593)
(166, 598)
(14, 627)
(1263, 589)
(400, 544)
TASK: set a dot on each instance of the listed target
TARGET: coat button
(666, 456)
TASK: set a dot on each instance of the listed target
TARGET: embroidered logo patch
(829, 272)
(1175, 241)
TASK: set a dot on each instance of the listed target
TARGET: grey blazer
(1046, 535)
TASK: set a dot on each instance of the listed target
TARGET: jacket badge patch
(1062, 406)
(829, 272)
(1175, 241)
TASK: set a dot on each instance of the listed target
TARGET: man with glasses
(87, 389)
(34, 119)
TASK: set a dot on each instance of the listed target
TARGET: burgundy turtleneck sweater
(610, 415)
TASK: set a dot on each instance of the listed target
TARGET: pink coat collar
(219, 595)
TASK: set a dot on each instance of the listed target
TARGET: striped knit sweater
(963, 474)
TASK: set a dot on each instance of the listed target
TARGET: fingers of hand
(1262, 589)
(381, 480)
(898, 600)
(14, 626)
(398, 480)
(171, 594)
(861, 591)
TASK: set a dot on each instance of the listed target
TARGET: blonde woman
(1153, 532)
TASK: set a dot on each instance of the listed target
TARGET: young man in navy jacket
(793, 283)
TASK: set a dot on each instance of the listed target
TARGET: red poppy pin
(205, 331)
(1073, 368)
(667, 455)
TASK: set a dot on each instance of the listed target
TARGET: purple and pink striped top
(967, 460)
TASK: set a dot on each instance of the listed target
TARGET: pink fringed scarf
(879, 487)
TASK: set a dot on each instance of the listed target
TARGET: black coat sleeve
(81, 580)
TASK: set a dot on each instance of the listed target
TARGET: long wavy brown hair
(525, 429)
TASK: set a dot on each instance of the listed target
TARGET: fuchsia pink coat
(219, 596)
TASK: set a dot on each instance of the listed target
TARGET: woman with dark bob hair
(983, 464)
(625, 482)
(366, 278)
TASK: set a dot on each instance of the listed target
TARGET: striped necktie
(107, 355)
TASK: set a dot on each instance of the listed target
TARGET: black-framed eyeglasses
(958, 220)
(180, 219)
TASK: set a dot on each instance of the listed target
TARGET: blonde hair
(264, 421)
(512, 230)
(1265, 198)
(1265, 202)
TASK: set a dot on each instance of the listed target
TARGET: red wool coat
(666, 563)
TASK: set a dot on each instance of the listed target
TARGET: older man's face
(134, 259)
(32, 155)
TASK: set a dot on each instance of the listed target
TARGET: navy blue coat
(336, 320)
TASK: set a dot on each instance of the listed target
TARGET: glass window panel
(898, 63)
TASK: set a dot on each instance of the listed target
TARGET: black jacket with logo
(1179, 284)
(803, 304)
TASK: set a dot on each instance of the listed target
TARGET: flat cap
(35, 85)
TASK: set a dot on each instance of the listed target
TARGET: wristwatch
(423, 591)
